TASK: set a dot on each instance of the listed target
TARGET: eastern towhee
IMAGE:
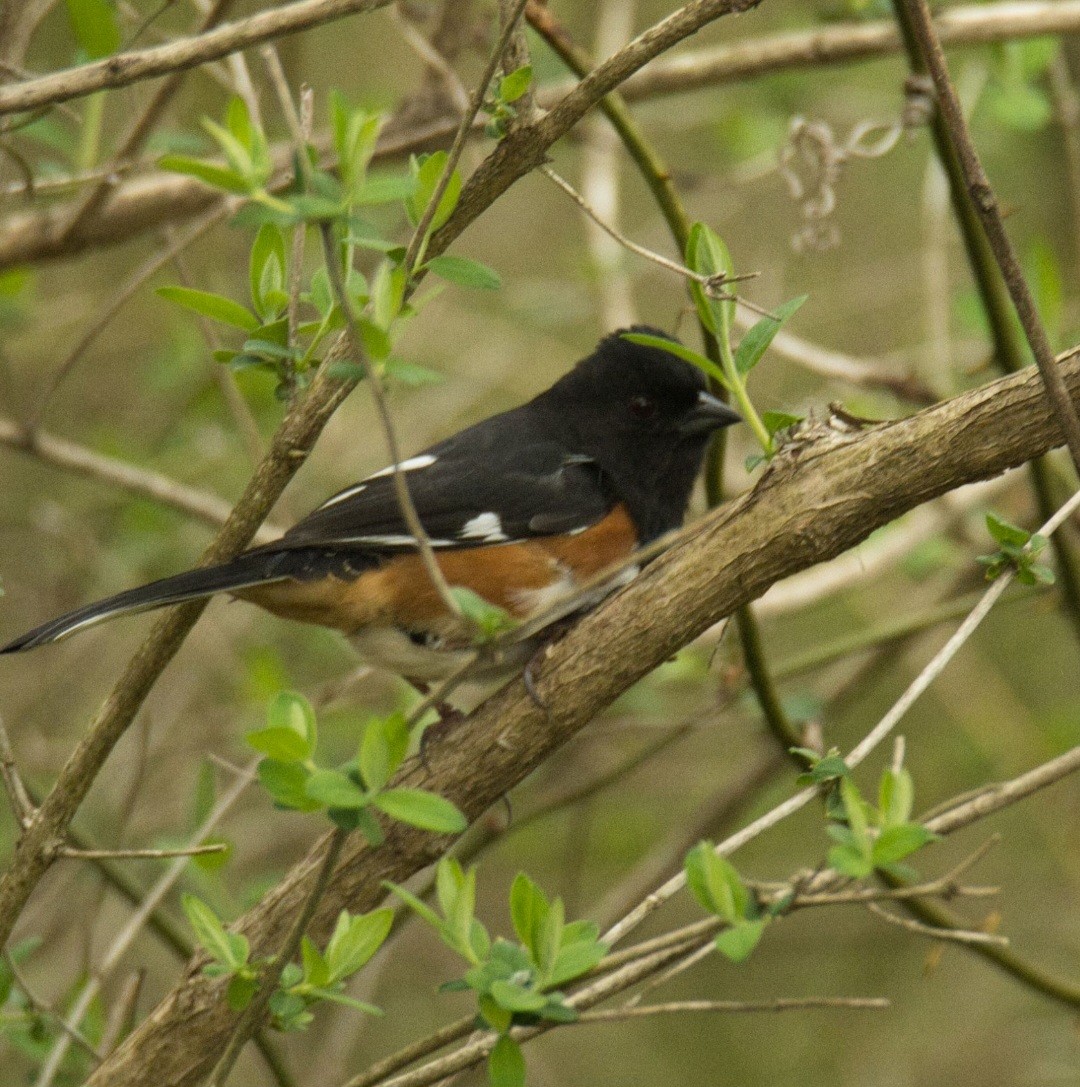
(520, 508)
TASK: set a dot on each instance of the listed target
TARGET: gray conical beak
(708, 414)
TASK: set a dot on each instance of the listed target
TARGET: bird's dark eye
(642, 407)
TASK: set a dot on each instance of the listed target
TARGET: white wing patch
(485, 527)
(425, 460)
(344, 494)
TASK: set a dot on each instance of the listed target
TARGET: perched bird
(520, 508)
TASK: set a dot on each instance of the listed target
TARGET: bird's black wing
(496, 482)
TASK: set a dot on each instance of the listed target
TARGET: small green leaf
(896, 796)
(388, 189)
(707, 255)
(855, 811)
(291, 710)
(528, 912)
(702, 362)
(465, 272)
(285, 782)
(897, 842)
(211, 934)
(215, 306)
(740, 939)
(851, 861)
(575, 959)
(333, 789)
(506, 1065)
(282, 744)
(427, 171)
(386, 740)
(516, 998)
(514, 85)
(779, 420)
(1005, 533)
(266, 268)
(240, 991)
(422, 909)
(355, 940)
(422, 809)
(715, 883)
(316, 968)
(336, 997)
(94, 24)
(488, 620)
(757, 340)
(218, 176)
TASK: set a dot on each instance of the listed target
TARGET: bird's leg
(547, 638)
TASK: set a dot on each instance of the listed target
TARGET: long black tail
(253, 568)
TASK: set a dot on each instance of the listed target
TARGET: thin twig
(401, 486)
(418, 242)
(139, 854)
(734, 1007)
(955, 935)
(22, 807)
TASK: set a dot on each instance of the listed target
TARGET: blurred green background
(893, 289)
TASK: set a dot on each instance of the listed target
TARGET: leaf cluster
(1018, 550)
(352, 792)
(319, 976)
(515, 983)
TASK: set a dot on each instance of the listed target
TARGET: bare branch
(123, 69)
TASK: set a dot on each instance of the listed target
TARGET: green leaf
(855, 811)
(387, 294)
(388, 189)
(506, 1064)
(514, 85)
(316, 968)
(333, 789)
(528, 912)
(488, 620)
(829, 768)
(779, 420)
(575, 959)
(427, 171)
(240, 991)
(498, 1018)
(740, 939)
(702, 362)
(350, 1002)
(285, 782)
(294, 711)
(410, 373)
(423, 910)
(851, 861)
(897, 842)
(1005, 533)
(218, 176)
(94, 24)
(756, 341)
(516, 998)
(707, 255)
(215, 306)
(266, 269)
(282, 744)
(211, 934)
(382, 751)
(896, 796)
(715, 883)
(422, 809)
(355, 940)
(465, 272)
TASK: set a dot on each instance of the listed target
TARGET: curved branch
(822, 496)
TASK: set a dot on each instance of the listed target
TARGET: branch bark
(822, 495)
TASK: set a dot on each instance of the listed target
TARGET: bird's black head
(645, 416)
